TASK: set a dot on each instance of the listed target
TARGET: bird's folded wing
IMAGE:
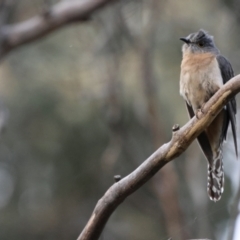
(202, 139)
(227, 73)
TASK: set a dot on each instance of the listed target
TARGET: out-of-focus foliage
(93, 100)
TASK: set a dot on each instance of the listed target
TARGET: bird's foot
(199, 112)
(202, 107)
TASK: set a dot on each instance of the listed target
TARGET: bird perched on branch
(203, 71)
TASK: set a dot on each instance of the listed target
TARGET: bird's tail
(216, 178)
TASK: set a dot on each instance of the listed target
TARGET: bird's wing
(202, 139)
(227, 74)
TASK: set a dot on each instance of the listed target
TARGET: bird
(203, 71)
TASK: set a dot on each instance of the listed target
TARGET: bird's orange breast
(200, 78)
(193, 62)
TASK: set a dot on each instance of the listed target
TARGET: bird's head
(199, 42)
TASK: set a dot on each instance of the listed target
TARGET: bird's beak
(185, 40)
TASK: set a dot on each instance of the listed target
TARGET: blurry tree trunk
(164, 186)
(113, 113)
(113, 101)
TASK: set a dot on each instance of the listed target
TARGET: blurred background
(93, 100)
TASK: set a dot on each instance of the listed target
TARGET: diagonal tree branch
(181, 139)
(51, 19)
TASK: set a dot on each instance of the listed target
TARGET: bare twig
(59, 15)
(181, 139)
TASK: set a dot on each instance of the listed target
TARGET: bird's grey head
(199, 42)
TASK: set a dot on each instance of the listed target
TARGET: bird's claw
(198, 113)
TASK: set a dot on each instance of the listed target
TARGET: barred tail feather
(215, 179)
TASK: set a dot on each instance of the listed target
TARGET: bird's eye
(200, 44)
